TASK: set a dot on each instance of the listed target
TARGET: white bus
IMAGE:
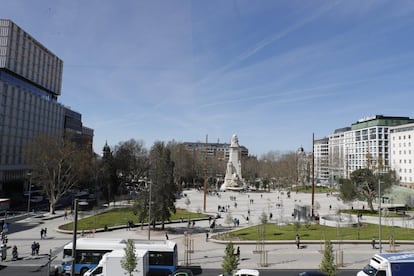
(163, 255)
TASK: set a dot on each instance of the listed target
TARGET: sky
(273, 72)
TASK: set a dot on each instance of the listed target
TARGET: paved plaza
(209, 254)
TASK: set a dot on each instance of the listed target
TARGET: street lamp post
(379, 216)
(75, 232)
(29, 175)
(149, 211)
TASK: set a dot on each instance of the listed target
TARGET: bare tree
(56, 164)
(131, 160)
(182, 163)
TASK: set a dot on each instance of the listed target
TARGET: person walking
(15, 255)
(297, 241)
(33, 248)
(373, 243)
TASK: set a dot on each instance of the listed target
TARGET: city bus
(163, 255)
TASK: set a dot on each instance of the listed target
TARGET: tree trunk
(370, 206)
(52, 205)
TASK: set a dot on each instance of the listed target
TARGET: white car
(244, 272)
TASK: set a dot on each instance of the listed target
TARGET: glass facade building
(30, 83)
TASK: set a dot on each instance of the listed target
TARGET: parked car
(244, 272)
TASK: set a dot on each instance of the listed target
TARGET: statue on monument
(233, 179)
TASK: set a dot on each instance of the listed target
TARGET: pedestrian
(37, 246)
(206, 236)
(33, 248)
(297, 241)
(42, 232)
(14, 253)
(45, 232)
(373, 243)
(238, 251)
(166, 235)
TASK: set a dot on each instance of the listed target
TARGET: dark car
(183, 272)
(312, 273)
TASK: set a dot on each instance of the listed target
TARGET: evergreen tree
(230, 260)
(164, 189)
(129, 261)
(327, 265)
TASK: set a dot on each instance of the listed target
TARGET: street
(36, 271)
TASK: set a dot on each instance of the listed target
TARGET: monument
(233, 179)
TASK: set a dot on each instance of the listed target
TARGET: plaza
(209, 254)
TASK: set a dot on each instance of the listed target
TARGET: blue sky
(273, 72)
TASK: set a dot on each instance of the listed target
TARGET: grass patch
(120, 216)
(321, 232)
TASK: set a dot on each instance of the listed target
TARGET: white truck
(110, 264)
(389, 264)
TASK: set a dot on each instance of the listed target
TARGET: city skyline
(272, 72)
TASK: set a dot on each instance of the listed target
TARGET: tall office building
(30, 83)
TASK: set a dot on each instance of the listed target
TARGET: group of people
(43, 233)
(35, 248)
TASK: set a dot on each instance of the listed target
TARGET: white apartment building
(367, 143)
(321, 159)
(402, 153)
(336, 154)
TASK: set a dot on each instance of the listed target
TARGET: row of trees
(58, 165)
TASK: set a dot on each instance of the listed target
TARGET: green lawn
(319, 232)
(120, 216)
